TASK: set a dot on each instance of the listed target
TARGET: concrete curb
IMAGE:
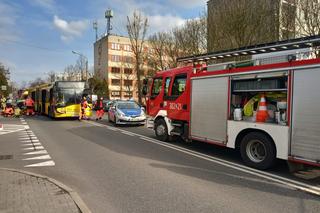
(74, 195)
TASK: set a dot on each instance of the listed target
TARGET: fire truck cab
(168, 103)
(218, 103)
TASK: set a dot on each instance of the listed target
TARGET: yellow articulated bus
(61, 99)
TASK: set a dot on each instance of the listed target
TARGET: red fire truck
(218, 103)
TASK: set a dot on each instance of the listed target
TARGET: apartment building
(114, 62)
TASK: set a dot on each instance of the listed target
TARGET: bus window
(156, 87)
(179, 85)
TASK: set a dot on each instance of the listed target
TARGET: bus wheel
(161, 130)
(258, 151)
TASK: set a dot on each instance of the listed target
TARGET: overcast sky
(37, 36)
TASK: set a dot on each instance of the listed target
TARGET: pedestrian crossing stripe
(42, 157)
(46, 163)
(36, 152)
(11, 128)
(34, 148)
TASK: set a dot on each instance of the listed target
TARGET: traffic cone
(262, 113)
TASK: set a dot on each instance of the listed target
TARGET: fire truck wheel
(161, 130)
(258, 151)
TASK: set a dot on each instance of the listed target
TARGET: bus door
(43, 101)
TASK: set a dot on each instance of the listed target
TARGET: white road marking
(43, 157)
(36, 152)
(26, 141)
(126, 133)
(275, 178)
(46, 163)
(34, 148)
(11, 128)
(24, 138)
(31, 144)
(33, 140)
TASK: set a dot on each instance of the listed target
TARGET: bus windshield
(67, 97)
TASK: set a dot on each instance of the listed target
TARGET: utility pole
(95, 27)
(108, 16)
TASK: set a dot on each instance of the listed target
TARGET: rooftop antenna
(108, 16)
(95, 27)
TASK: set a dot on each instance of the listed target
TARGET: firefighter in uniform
(84, 105)
(99, 108)
(30, 106)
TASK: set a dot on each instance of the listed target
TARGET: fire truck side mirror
(145, 87)
(145, 90)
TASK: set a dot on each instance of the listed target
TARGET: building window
(127, 47)
(115, 46)
(127, 71)
(127, 59)
(115, 93)
(115, 69)
(128, 83)
(115, 82)
(115, 58)
(128, 94)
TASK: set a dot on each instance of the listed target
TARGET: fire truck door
(156, 97)
(176, 101)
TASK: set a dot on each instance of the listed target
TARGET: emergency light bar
(291, 44)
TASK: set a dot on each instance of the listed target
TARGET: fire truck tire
(161, 130)
(258, 151)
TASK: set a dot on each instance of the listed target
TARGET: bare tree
(128, 78)
(308, 17)
(51, 77)
(238, 23)
(157, 56)
(137, 28)
(188, 39)
(69, 73)
(36, 82)
(80, 67)
(191, 37)
(4, 78)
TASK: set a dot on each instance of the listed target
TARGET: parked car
(126, 112)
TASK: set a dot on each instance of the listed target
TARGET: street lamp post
(80, 54)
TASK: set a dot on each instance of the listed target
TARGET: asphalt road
(117, 171)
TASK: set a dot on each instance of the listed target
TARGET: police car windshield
(128, 105)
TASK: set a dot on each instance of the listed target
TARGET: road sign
(3, 87)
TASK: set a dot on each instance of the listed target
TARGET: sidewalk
(26, 192)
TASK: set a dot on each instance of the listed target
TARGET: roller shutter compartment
(305, 142)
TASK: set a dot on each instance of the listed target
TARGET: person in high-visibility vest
(30, 106)
(99, 108)
(3, 103)
(83, 107)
